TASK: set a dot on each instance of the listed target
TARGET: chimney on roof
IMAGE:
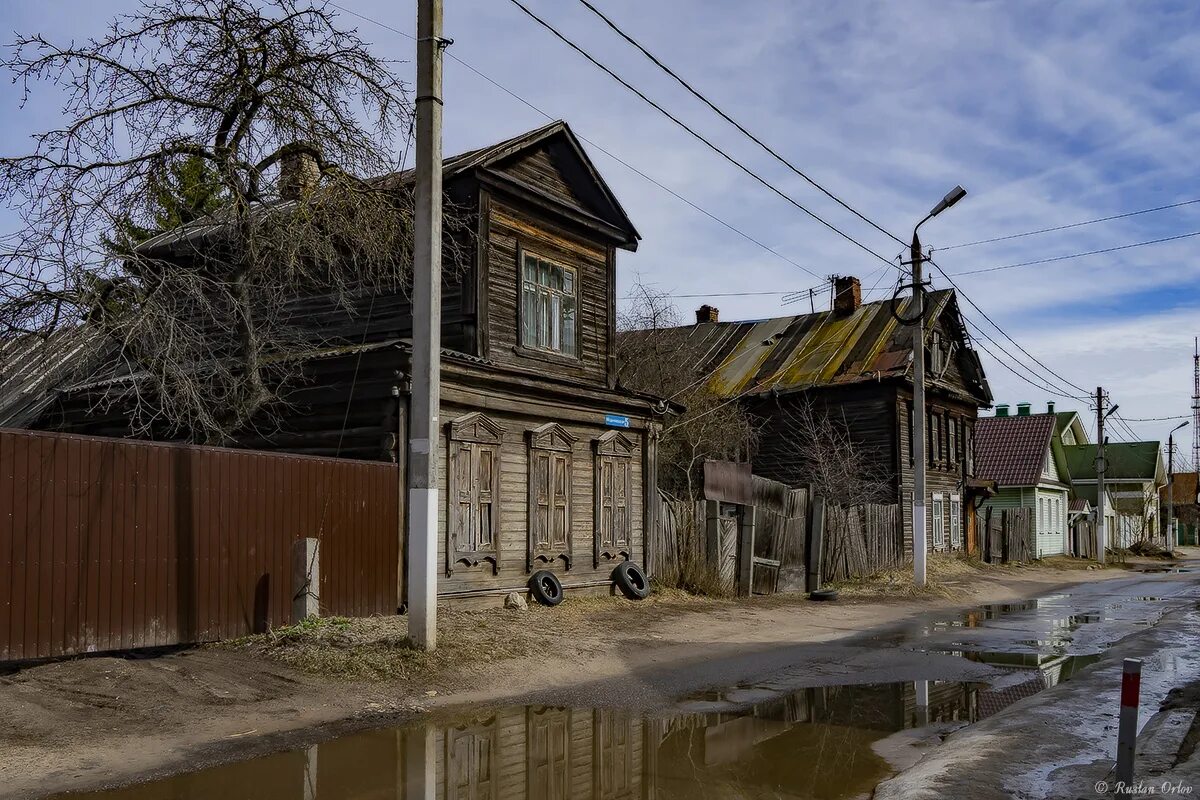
(707, 313)
(1050, 407)
(299, 172)
(847, 295)
(1002, 410)
(1023, 409)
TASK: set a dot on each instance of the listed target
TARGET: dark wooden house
(544, 462)
(854, 364)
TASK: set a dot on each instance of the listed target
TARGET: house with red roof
(1023, 454)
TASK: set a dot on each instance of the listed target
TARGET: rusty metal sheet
(728, 482)
(110, 544)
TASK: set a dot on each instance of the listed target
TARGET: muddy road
(933, 704)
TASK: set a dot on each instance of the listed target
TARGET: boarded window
(952, 432)
(955, 521)
(614, 497)
(935, 439)
(550, 471)
(470, 770)
(549, 305)
(938, 520)
(472, 528)
(548, 737)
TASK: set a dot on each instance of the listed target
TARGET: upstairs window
(549, 305)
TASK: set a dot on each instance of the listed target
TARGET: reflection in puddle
(822, 742)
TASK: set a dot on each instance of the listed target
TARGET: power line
(1036, 382)
(1079, 255)
(1086, 394)
(1071, 225)
(606, 152)
(1157, 419)
(695, 93)
(698, 136)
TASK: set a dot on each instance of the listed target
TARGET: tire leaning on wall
(546, 588)
(632, 582)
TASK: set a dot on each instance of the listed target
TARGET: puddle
(813, 743)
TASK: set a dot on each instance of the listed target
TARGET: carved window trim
(476, 438)
(550, 448)
(612, 465)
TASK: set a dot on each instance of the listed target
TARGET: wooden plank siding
(513, 230)
(513, 526)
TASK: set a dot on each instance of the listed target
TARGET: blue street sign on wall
(616, 421)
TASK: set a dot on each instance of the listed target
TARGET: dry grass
(378, 648)
(941, 569)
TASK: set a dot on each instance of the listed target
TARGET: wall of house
(1050, 515)
(946, 475)
(866, 411)
(513, 524)
(512, 230)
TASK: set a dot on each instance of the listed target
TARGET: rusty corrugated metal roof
(795, 353)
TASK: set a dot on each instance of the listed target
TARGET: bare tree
(839, 469)
(292, 121)
(656, 357)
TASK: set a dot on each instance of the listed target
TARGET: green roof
(1126, 460)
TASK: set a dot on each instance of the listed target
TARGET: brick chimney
(847, 295)
(707, 313)
(298, 175)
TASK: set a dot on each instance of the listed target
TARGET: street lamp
(918, 501)
(1171, 537)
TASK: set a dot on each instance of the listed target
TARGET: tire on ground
(546, 588)
(632, 582)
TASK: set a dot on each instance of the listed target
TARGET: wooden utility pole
(427, 333)
(1101, 465)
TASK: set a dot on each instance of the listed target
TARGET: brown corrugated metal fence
(110, 544)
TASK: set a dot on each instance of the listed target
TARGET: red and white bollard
(1131, 687)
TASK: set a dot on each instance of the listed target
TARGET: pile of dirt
(1148, 549)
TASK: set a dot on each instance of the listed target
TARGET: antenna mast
(1196, 407)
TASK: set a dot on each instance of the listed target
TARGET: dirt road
(105, 721)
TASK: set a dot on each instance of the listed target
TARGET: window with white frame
(549, 305)
(955, 521)
(939, 521)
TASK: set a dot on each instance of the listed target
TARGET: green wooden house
(1024, 455)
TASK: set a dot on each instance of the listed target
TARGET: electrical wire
(695, 93)
(695, 134)
(591, 142)
(958, 290)
(1036, 381)
(1157, 419)
(1077, 255)
(1069, 226)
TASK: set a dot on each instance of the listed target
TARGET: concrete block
(306, 579)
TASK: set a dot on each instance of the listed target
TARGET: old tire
(823, 594)
(546, 588)
(632, 582)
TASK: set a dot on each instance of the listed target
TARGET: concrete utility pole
(1101, 465)
(427, 333)
(920, 548)
(1172, 539)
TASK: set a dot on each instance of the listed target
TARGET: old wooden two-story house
(853, 364)
(544, 463)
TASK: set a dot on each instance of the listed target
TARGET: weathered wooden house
(854, 364)
(544, 462)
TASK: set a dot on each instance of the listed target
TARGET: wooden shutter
(548, 738)
(613, 753)
(549, 520)
(470, 768)
(613, 521)
(472, 524)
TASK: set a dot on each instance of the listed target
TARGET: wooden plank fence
(109, 544)
(1006, 535)
(860, 540)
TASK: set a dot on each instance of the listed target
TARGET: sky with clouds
(1048, 113)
